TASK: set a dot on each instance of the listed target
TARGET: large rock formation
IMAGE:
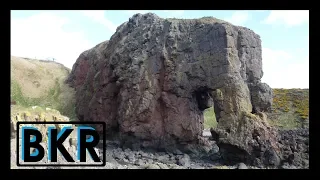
(152, 80)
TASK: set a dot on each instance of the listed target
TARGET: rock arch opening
(205, 102)
(203, 97)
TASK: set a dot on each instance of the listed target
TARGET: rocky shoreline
(125, 158)
(120, 158)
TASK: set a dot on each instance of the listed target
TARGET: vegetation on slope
(290, 108)
(41, 83)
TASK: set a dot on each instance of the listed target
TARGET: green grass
(17, 95)
(286, 121)
(209, 118)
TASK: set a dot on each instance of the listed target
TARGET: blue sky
(63, 35)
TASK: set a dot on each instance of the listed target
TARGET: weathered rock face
(154, 77)
(248, 139)
(261, 97)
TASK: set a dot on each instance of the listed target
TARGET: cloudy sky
(63, 35)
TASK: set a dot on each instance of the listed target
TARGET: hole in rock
(255, 134)
(228, 130)
(253, 110)
(203, 98)
(232, 154)
(210, 120)
(112, 67)
(206, 106)
(114, 130)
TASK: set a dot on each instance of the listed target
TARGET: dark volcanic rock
(152, 80)
(295, 147)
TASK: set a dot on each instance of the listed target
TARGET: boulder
(242, 166)
(153, 79)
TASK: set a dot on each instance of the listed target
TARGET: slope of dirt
(41, 83)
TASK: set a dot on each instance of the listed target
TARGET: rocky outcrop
(261, 97)
(86, 64)
(295, 147)
(248, 139)
(152, 80)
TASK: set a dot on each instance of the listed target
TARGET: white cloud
(238, 18)
(284, 70)
(273, 56)
(287, 17)
(99, 17)
(297, 74)
(42, 36)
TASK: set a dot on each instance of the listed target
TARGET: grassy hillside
(290, 109)
(41, 83)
